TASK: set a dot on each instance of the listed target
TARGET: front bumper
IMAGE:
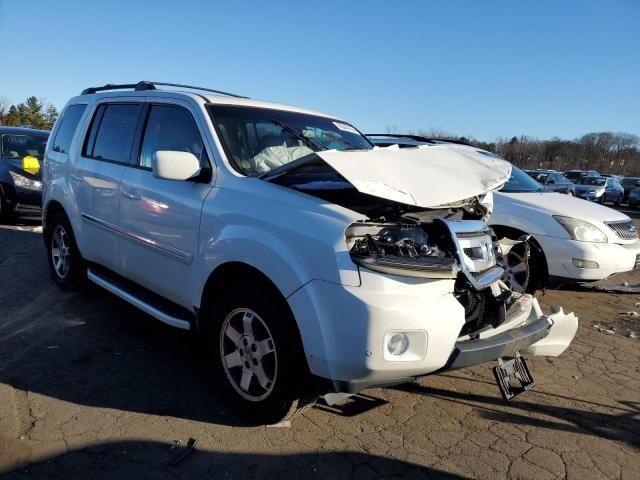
(345, 330)
(611, 258)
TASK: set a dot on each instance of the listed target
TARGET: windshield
(521, 182)
(599, 182)
(20, 145)
(258, 140)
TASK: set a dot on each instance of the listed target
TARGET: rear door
(161, 218)
(96, 176)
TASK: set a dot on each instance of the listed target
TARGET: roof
(23, 130)
(149, 89)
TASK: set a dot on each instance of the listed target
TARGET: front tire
(253, 344)
(5, 209)
(65, 262)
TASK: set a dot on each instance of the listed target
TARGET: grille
(625, 230)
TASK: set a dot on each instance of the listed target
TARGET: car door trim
(167, 250)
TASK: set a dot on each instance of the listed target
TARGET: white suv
(307, 260)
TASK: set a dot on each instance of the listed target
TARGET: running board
(145, 306)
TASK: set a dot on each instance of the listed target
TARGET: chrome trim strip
(168, 250)
(136, 302)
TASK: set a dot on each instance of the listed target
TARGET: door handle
(77, 178)
(130, 194)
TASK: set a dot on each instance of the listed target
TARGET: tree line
(33, 113)
(606, 152)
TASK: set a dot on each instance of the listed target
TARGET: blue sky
(483, 68)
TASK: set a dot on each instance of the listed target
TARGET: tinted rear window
(115, 132)
(67, 129)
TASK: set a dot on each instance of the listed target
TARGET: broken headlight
(399, 249)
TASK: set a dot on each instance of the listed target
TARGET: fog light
(398, 344)
(585, 263)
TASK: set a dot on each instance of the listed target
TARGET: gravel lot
(92, 388)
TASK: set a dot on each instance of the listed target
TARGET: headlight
(398, 249)
(25, 182)
(599, 192)
(581, 230)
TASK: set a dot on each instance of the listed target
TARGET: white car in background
(569, 240)
(572, 240)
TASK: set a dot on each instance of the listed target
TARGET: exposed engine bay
(448, 242)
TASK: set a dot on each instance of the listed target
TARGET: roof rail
(146, 85)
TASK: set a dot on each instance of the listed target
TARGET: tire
(5, 210)
(252, 342)
(618, 201)
(518, 269)
(65, 262)
(602, 199)
(536, 273)
(570, 193)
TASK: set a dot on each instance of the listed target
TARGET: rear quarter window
(67, 129)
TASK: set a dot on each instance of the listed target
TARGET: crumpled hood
(427, 177)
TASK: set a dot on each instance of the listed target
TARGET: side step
(142, 298)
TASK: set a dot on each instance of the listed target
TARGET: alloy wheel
(60, 251)
(517, 270)
(248, 354)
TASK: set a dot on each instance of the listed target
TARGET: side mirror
(172, 165)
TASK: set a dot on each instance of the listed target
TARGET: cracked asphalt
(93, 388)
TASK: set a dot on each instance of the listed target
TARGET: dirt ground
(91, 388)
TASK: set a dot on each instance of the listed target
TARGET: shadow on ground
(623, 428)
(152, 460)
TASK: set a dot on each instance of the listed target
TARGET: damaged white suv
(307, 260)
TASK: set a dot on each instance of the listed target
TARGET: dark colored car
(21, 151)
(634, 197)
(576, 175)
(553, 180)
(629, 183)
(600, 189)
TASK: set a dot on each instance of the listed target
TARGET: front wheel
(5, 210)
(570, 193)
(254, 346)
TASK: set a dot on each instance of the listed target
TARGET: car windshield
(598, 182)
(573, 175)
(20, 145)
(521, 182)
(258, 140)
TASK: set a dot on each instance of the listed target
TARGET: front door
(160, 218)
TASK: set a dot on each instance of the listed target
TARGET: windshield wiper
(349, 145)
(309, 143)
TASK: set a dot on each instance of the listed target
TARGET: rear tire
(66, 263)
(252, 343)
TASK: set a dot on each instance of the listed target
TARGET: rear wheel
(65, 261)
(253, 344)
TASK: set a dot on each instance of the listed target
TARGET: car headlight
(598, 192)
(24, 182)
(580, 230)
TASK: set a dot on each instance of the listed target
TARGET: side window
(112, 131)
(68, 124)
(170, 128)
